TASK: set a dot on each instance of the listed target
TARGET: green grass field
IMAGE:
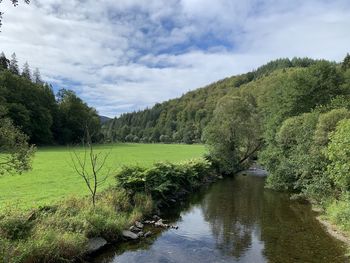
(53, 177)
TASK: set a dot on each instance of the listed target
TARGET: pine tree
(13, 66)
(37, 77)
(26, 71)
(346, 62)
(4, 62)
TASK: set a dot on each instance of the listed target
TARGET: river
(236, 220)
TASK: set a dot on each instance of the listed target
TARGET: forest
(33, 107)
(183, 120)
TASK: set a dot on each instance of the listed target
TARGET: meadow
(53, 177)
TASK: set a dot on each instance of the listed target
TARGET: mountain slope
(183, 119)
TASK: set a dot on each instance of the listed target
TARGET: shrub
(338, 211)
(163, 179)
(338, 153)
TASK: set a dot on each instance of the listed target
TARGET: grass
(61, 232)
(52, 177)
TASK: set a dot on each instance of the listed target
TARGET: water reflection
(237, 220)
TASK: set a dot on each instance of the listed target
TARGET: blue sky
(126, 55)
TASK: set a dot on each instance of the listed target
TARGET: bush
(338, 152)
(163, 179)
(338, 212)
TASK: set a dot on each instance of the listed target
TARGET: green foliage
(233, 135)
(184, 119)
(286, 160)
(15, 152)
(32, 106)
(327, 123)
(346, 62)
(338, 152)
(15, 226)
(164, 179)
(338, 212)
(60, 233)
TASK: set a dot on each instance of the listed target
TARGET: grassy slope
(52, 176)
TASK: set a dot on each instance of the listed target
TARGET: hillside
(183, 119)
(32, 106)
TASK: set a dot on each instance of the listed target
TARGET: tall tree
(13, 66)
(233, 135)
(37, 77)
(26, 71)
(4, 62)
(346, 62)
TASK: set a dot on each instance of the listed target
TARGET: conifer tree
(26, 71)
(13, 66)
(4, 62)
(346, 62)
(37, 77)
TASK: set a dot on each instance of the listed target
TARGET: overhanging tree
(233, 135)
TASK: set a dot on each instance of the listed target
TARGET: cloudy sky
(125, 55)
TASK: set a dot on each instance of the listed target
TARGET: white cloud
(129, 54)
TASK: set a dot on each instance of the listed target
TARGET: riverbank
(235, 220)
(71, 229)
(335, 230)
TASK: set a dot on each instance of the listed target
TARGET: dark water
(237, 220)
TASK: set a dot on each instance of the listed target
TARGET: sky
(126, 55)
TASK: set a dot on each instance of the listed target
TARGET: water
(236, 220)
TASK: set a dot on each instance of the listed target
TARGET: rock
(160, 223)
(129, 235)
(151, 222)
(147, 234)
(138, 224)
(95, 244)
(134, 229)
(140, 234)
(174, 227)
(155, 217)
(172, 200)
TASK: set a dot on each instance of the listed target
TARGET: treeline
(296, 123)
(31, 104)
(183, 120)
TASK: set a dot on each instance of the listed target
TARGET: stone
(134, 229)
(160, 223)
(147, 234)
(95, 244)
(138, 224)
(140, 234)
(155, 217)
(129, 235)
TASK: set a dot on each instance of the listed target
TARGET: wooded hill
(32, 106)
(183, 120)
